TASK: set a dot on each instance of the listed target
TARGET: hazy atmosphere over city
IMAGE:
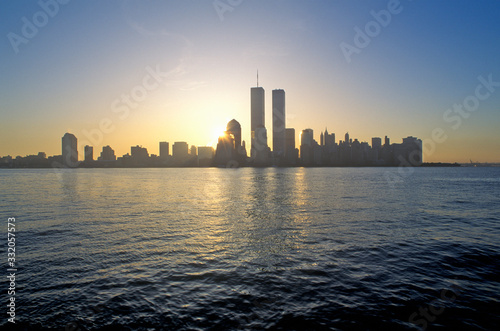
(371, 68)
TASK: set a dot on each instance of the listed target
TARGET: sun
(217, 132)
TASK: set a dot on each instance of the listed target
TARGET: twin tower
(260, 152)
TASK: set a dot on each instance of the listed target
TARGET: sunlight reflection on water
(199, 248)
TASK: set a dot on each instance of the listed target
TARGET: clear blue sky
(71, 74)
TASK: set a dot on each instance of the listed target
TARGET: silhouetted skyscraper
(234, 128)
(376, 143)
(307, 146)
(291, 154)
(329, 139)
(89, 153)
(193, 151)
(180, 151)
(307, 137)
(226, 152)
(163, 150)
(205, 155)
(69, 150)
(257, 113)
(139, 153)
(257, 108)
(410, 152)
(279, 122)
(107, 154)
(259, 149)
(289, 139)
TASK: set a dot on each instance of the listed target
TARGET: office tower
(234, 128)
(192, 151)
(225, 153)
(107, 154)
(257, 113)
(329, 139)
(347, 138)
(289, 139)
(69, 150)
(89, 153)
(376, 143)
(139, 152)
(279, 122)
(376, 150)
(260, 138)
(306, 147)
(180, 150)
(321, 139)
(257, 108)
(259, 150)
(306, 137)
(205, 153)
(387, 141)
(410, 151)
(291, 154)
(163, 150)
(205, 156)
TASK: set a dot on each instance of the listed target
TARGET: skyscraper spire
(257, 77)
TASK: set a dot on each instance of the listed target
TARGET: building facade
(279, 123)
(69, 150)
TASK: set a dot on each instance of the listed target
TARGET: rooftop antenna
(257, 77)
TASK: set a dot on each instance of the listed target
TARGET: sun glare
(216, 134)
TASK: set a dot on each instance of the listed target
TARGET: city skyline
(230, 150)
(141, 73)
(234, 153)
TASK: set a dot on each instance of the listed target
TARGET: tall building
(89, 153)
(347, 140)
(376, 150)
(291, 154)
(192, 151)
(107, 154)
(329, 139)
(205, 155)
(180, 151)
(234, 128)
(412, 152)
(139, 152)
(289, 139)
(307, 147)
(163, 150)
(225, 153)
(257, 108)
(259, 151)
(69, 150)
(279, 122)
(376, 143)
(257, 113)
(307, 137)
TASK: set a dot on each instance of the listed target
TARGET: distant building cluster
(231, 150)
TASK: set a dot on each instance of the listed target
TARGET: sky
(129, 72)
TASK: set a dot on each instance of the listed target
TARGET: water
(253, 249)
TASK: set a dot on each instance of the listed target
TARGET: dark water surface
(253, 249)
